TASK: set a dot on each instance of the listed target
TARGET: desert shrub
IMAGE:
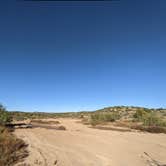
(153, 120)
(140, 114)
(4, 116)
(111, 117)
(149, 118)
(12, 149)
(98, 118)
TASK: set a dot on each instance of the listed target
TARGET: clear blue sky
(74, 56)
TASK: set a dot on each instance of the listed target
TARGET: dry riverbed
(80, 145)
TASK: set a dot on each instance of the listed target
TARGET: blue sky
(75, 56)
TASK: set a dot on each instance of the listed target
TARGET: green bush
(149, 118)
(98, 118)
(4, 116)
(153, 120)
(140, 114)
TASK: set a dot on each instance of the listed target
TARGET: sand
(80, 145)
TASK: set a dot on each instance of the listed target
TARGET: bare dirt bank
(80, 145)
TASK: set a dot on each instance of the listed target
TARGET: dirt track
(80, 145)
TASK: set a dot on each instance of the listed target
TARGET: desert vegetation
(45, 127)
(40, 121)
(19, 116)
(12, 149)
(150, 121)
(149, 118)
(144, 119)
(99, 118)
(140, 118)
(5, 116)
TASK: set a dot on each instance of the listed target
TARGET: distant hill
(128, 111)
(124, 111)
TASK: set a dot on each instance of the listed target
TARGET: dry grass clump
(141, 127)
(45, 122)
(61, 128)
(112, 128)
(151, 129)
(12, 149)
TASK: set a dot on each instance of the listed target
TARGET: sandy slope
(83, 146)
